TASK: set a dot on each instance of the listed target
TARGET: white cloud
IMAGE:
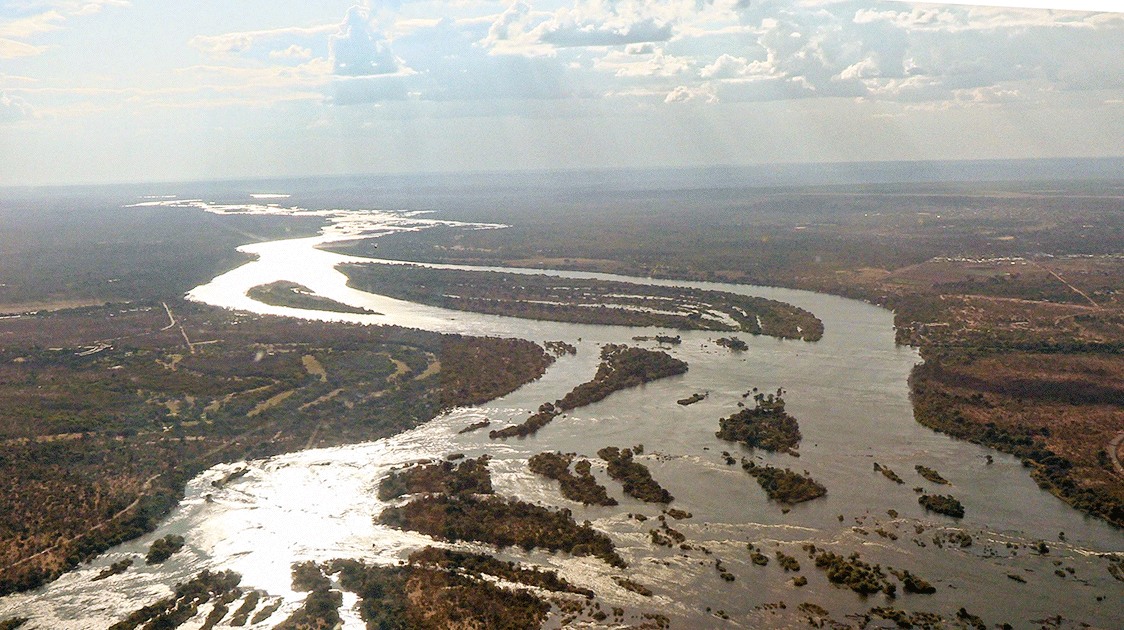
(645, 48)
(358, 50)
(27, 27)
(565, 31)
(726, 67)
(49, 18)
(685, 94)
(292, 52)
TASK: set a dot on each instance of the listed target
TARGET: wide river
(848, 391)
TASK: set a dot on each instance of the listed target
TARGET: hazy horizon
(113, 91)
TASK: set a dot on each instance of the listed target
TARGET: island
(293, 295)
(783, 485)
(766, 425)
(634, 476)
(579, 485)
(621, 367)
(584, 300)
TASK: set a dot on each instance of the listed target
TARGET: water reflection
(848, 391)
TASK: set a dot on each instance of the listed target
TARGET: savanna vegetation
(1013, 292)
(585, 301)
(105, 412)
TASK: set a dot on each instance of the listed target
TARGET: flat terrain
(106, 412)
(1013, 292)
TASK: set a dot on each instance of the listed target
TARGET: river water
(848, 392)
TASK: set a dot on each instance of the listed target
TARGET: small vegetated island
(766, 425)
(783, 485)
(579, 485)
(434, 588)
(634, 476)
(163, 548)
(942, 504)
(470, 476)
(460, 512)
(584, 300)
(621, 367)
(293, 295)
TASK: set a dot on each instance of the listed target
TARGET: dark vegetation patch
(579, 485)
(116, 568)
(475, 426)
(501, 522)
(173, 611)
(322, 604)
(632, 585)
(888, 473)
(621, 368)
(163, 548)
(930, 475)
(692, 399)
(942, 504)
(766, 425)
(862, 577)
(477, 563)
(732, 343)
(242, 614)
(784, 486)
(469, 476)
(423, 596)
(634, 476)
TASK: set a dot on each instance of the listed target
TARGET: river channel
(848, 391)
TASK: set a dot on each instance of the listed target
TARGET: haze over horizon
(108, 91)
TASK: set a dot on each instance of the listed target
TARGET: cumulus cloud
(292, 52)
(509, 25)
(684, 94)
(448, 61)
(726, 67)
(358, 50)
(880, 50)
(566, 32)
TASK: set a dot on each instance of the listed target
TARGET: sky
(108, 91)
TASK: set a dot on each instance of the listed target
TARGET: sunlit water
(848, 391)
